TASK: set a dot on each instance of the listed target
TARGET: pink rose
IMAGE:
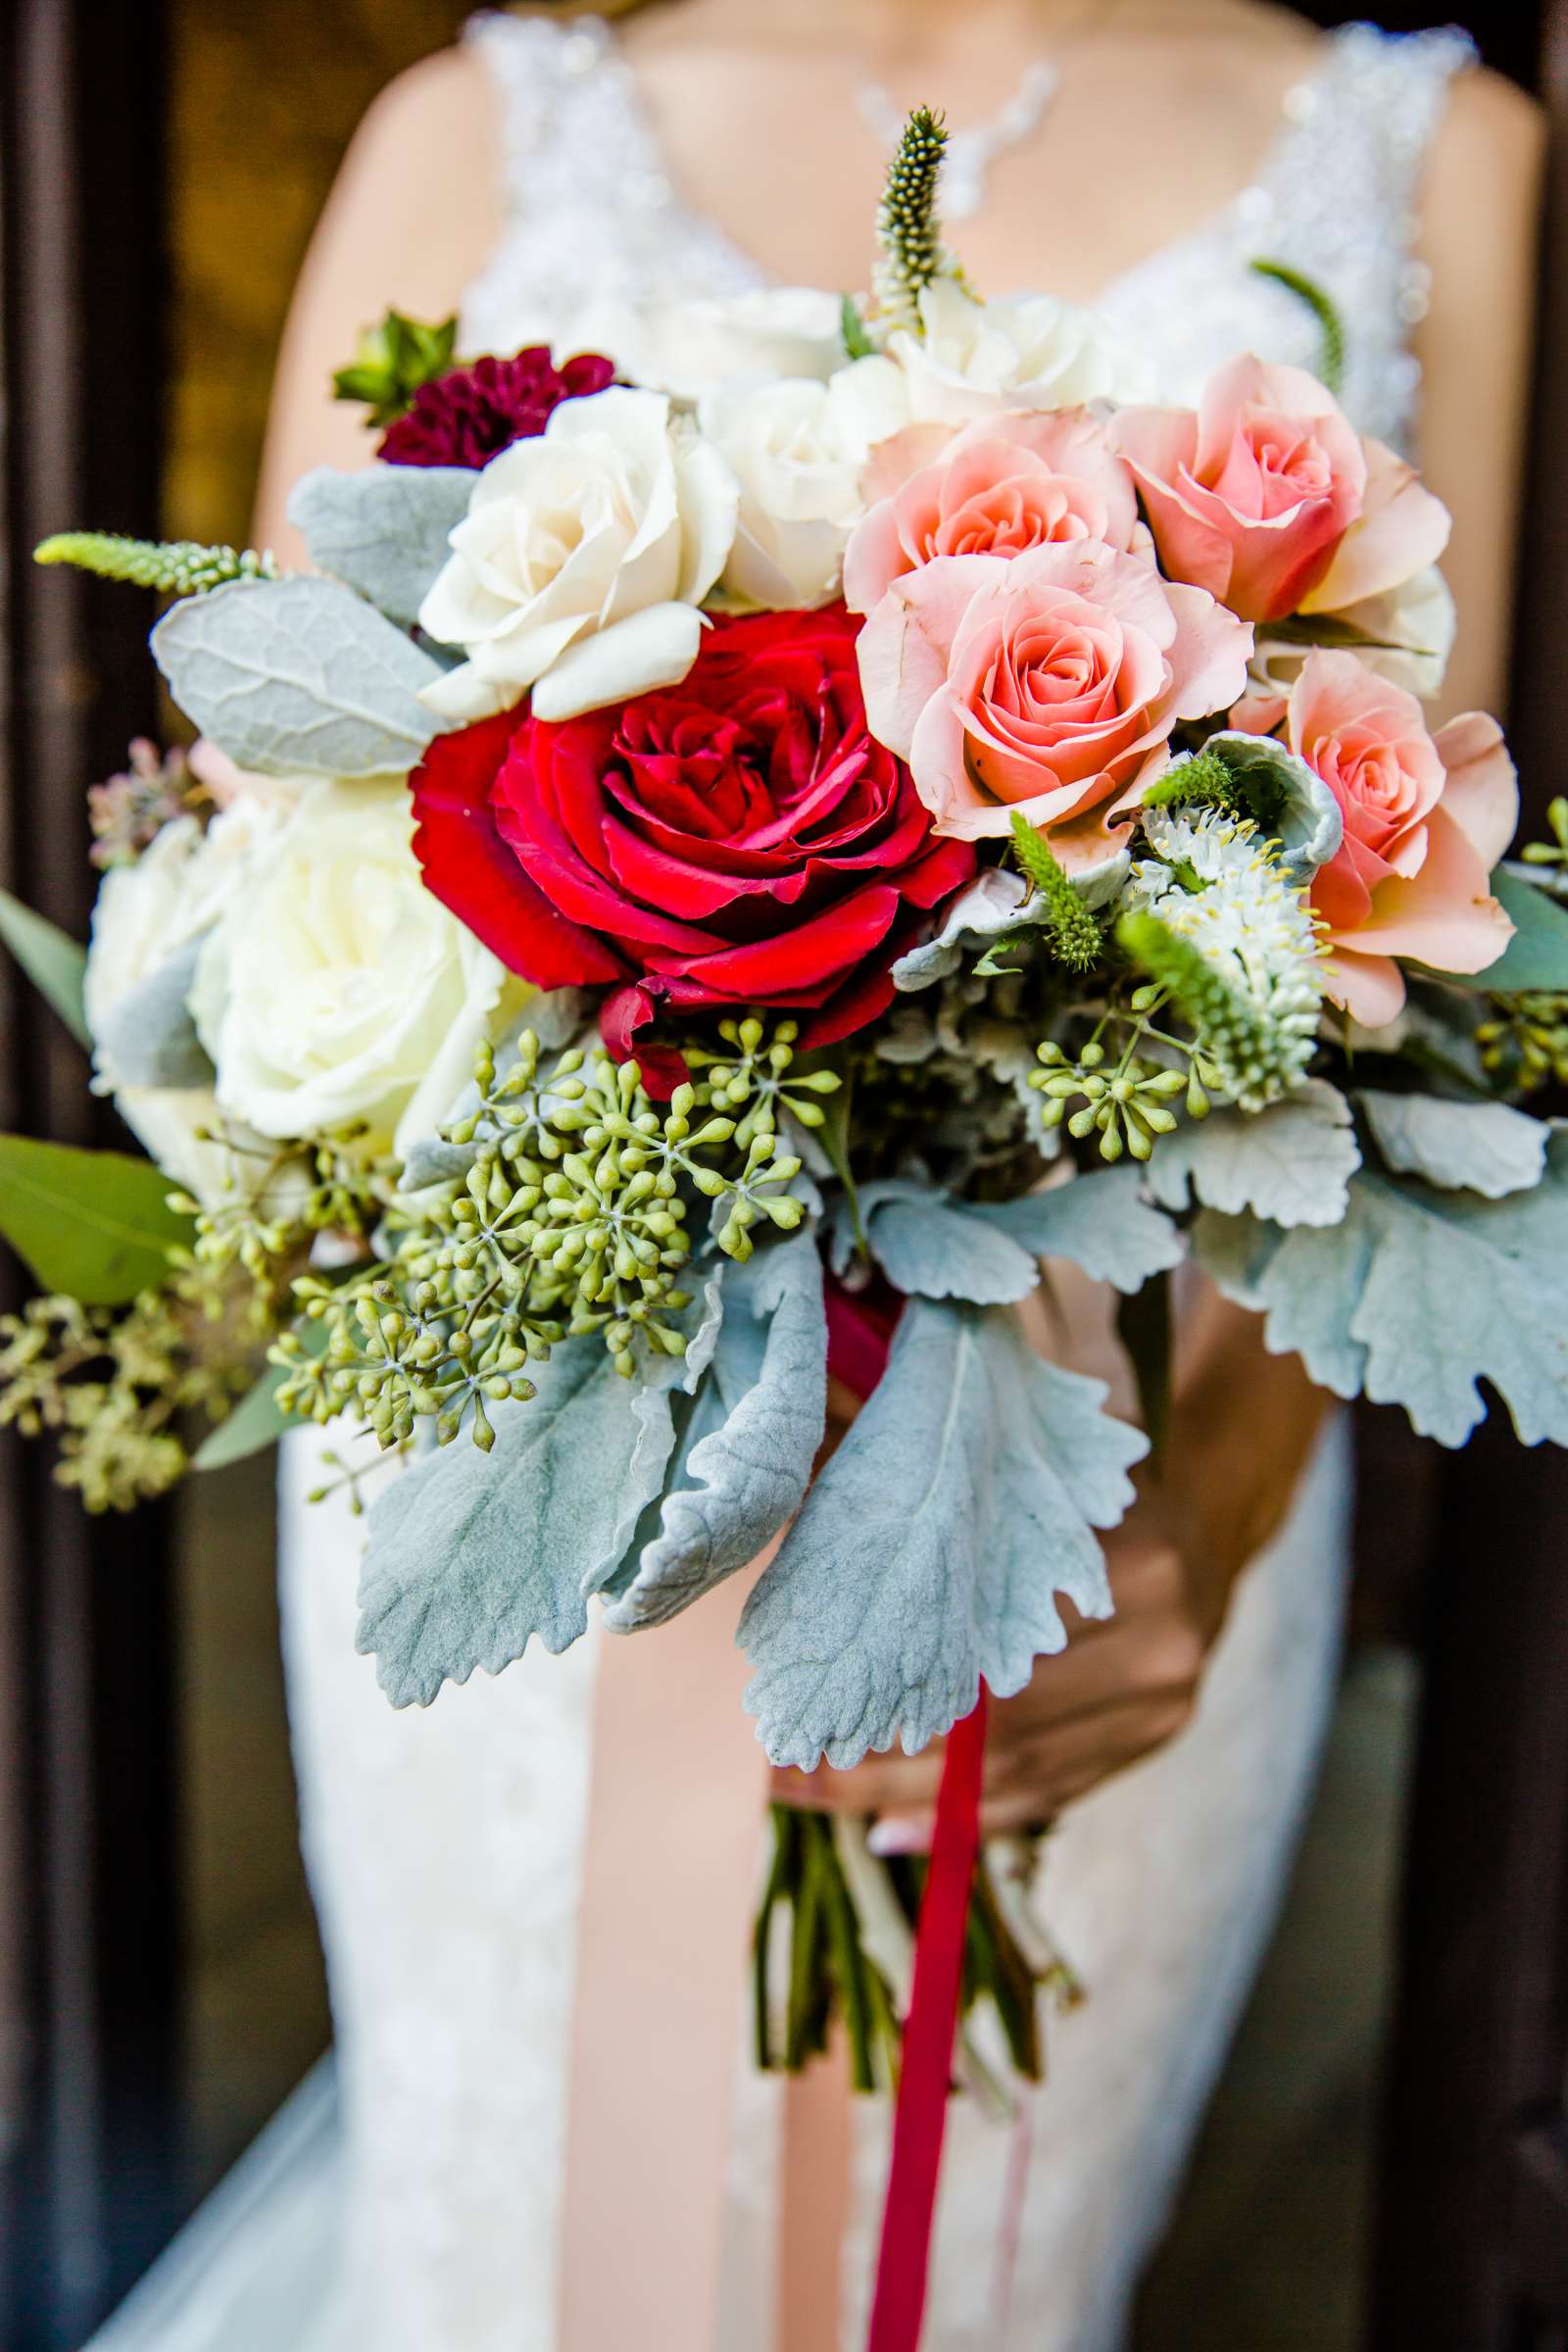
(997, 487)
(1047, 683)
(1426, 820)
(1267, 498)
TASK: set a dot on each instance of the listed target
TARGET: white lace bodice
(592, 204)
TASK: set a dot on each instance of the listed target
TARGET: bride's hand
(1124, 1684)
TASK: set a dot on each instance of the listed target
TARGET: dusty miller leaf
(1416, 1297)
(931, 1546)
(753, 1433)
(383, 530)
(471, 1555)
(1101, 1221)
(147, 1038)
(1482, 1147)
(1292, 1163)
(298, 675)
(932, 1246)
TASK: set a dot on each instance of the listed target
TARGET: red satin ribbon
(859, 1336)
(920, 2118)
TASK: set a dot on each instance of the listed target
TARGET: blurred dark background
(1384, 2165)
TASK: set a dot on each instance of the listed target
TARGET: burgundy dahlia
(739, 839)
(469, 415)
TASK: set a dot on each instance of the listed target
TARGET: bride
(535, 1896)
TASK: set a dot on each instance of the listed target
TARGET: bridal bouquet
(739, 850)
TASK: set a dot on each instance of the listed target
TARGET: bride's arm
(413, 213)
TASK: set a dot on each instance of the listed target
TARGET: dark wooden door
(88, 1928)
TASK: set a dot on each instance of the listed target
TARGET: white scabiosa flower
(1212, 915)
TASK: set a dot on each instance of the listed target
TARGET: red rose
(469, 415)
(739, 839)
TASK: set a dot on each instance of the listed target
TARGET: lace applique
(1336, 198)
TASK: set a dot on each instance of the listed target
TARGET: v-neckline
(1294, 105)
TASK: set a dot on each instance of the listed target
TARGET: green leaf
(94, 1225)
(857, 344)
(1292, 1163)
(471, 1555)
(384, 530)
(299, 676)
(255, 1423)
(1536, 955)
(929, 1550)
(51, 958)
(1417, 1297)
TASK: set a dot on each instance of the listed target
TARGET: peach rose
(1267, 498)
(1426, 820)
(1045, 683)
(993, 488)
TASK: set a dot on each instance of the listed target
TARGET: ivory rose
(1023, 351)
(147, 925)
(1426, 820)
(1046, 684)
(334, 988)
(578, 569)
(995, 487)
(1266, 496)
(796, 448)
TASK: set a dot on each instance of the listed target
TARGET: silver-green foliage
(298, 675)
(930, 1548)
(383, 530)
(1292, 1163)
(1416, 1297)
(1471, 1147)
(932, 1244)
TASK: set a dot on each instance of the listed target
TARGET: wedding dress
(445, 1847)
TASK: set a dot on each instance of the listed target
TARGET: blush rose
(996, 488)
(1426, 820)
(1043, 684)
(1268, 496)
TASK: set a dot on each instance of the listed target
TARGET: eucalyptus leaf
(472, 1554)
(752, 1435)
(94, 1225)
(1536, 955)
(384, 529)
(298, 675)
(147, 1038)
(255, 1422)
(1416, 1297)
(1292, 1163)
(1485, 1148)
(52, 961)
(1101, 1221)
(930, 1546)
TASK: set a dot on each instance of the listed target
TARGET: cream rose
(580, 564)
(147, 926)
(797, 448)
(335, 989)
(1024, 351)
(687, 348)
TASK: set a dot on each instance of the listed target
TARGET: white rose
(148, 919)
(796, 448)
(1025, 351)
(337, 989)
(687, 348)
(579, 565)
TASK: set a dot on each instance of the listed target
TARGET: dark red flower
(739, 839)
(469, 415)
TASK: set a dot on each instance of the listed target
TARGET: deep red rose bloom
(469, 415)
(739, 839)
